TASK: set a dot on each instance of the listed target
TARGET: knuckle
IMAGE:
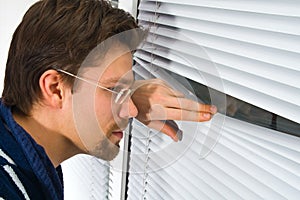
(147, 117)
(158, 99)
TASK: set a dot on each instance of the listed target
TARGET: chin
(106, 150)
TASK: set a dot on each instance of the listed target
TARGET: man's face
(102, 121)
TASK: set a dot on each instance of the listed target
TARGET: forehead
(117, 66)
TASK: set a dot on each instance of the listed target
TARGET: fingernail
(213, 109)
(179, 135)
(206, 115)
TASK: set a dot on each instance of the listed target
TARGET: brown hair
(57, 33)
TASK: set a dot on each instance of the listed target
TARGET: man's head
(63, 34)
(96, 105)
(57, 33)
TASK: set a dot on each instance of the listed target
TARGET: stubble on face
(107, 148)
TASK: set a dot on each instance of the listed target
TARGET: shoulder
(11, 187)
(16, 182)
(24, 170)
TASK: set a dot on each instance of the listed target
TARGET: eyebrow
(116, 80)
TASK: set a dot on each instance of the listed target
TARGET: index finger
(189, 105)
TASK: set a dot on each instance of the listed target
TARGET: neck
(45, 133)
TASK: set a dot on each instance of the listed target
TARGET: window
(242, 56)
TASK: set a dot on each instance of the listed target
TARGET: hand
(156, 102)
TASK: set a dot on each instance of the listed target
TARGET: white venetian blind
(86, 177)
(249, 162)
(247, 49)
(254, 46)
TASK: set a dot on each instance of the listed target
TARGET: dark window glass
(242, 110)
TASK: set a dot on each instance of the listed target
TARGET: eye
(115, 88)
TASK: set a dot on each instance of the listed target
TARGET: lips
(118, 134)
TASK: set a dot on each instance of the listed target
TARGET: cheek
(103, 109)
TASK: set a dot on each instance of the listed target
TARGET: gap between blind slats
(276, 7)
(276, 23)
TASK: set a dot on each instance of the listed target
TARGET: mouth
(118, 134)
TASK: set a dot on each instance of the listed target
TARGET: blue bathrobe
(26, 171)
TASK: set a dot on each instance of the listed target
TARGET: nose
(128, 109)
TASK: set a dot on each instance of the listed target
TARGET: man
(67, 90)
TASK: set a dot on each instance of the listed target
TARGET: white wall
(11, 13)
(129, 6)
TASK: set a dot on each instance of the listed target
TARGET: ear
(52, 88)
